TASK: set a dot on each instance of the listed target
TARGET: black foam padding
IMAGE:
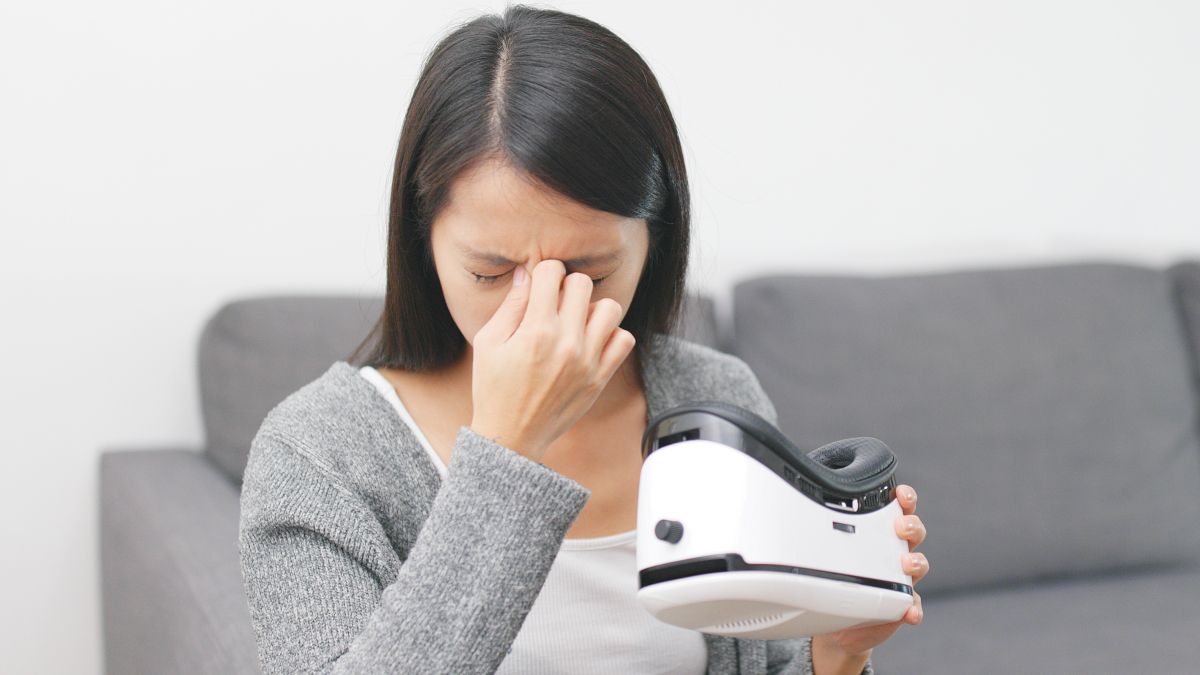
(851, 464)
(856, 458)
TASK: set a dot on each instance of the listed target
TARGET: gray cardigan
(356, 558)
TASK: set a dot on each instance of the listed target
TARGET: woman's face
(498, 217)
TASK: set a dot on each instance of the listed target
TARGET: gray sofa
(1048, 415)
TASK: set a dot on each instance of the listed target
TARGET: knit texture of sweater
(358, 558)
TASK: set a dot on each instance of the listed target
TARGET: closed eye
(485, 279)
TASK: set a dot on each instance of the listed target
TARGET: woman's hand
(544, 357)
(857, 641)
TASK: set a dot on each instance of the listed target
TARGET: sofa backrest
(1046, 414)
(1185, 277)
(254, 352)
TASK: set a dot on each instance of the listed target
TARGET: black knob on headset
(669, 530)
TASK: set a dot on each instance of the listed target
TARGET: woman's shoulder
(331, 416)
(677, 350)
(334, 390)
(685, 370)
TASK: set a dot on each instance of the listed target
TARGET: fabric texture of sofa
(1048, 416)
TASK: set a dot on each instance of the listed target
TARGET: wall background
(160, 158)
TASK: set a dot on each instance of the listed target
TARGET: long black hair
(563, 99)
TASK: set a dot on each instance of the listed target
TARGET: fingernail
(519, 276)
(910, 526)
(909, 494)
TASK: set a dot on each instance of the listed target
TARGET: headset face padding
(858, 458)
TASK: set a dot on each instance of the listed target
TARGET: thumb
(511, 311)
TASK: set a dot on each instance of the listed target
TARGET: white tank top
(586, 619)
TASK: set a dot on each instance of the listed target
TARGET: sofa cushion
(254, 352)
(1136, 622)
(171, 581)
(1044, 413)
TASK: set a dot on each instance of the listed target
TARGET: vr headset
(740, 533)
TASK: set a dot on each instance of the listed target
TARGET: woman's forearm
(829, 659)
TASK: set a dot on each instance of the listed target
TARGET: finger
(908, 498)
(604, 316)
(509, 314)
(573, 309)
(916, 613)
(545, 282)
(915, 565)
(911, 529)
(618, 347)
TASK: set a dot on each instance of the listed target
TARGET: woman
(467, 505)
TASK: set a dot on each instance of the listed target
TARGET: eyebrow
(496, 259)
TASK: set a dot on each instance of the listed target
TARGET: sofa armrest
(171, 583)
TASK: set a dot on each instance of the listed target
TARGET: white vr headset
(740, 533)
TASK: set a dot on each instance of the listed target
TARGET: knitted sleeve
(315, 558)
(794, 657)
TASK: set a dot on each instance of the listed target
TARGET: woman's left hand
(855, 641)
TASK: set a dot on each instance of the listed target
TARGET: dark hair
(569, 103)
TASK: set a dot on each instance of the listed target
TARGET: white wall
(158, 159)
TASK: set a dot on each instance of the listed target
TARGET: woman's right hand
(540, 363)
